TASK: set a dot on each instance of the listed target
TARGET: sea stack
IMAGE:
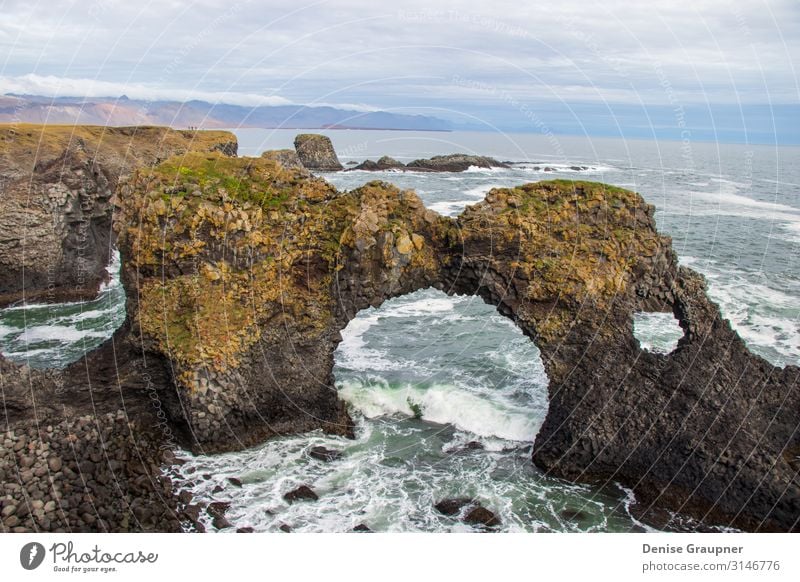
(316, 152)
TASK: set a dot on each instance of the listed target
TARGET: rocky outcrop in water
(55, 212)
(241, 273)
(448, 163)
(383, 164)
(454, 163)
(316, 152)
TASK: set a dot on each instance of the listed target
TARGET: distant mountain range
(123, 111)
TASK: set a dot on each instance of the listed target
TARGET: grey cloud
(353, 51)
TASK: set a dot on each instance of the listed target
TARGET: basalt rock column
(316, 152)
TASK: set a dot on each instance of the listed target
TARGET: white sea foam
(62, 334)
(480, 192)
(728, 201)
(450, 207)
(657, 332)
(443, 404)
(354, 354)
(6, 331)
(425, 305)
(582, 168)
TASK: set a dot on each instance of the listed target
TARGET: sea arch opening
(447, 360)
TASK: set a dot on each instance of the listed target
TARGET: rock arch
(241, 273)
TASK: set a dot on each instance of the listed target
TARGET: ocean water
(447, 394)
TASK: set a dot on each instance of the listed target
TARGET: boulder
(302, 493)
(316, 153)
(451, 507)
(482, 517)
(324, 454)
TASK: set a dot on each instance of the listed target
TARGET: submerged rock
(316, 153)
(481, 516)
(451, 507)
(302, 493)
(324, 454)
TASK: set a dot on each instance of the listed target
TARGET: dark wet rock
(285, 528)
(218, 508)
(235, 481)
(453, 163)
(451, 507)
(361, 528)
(324, 454)
(481, 516)
(447, 163)
(217, 489)
(221, 522)
(302, 493)
(383, 164)
(246, 529)
(316, 153)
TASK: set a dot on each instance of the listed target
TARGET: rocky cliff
(241, 273)
(55, 210)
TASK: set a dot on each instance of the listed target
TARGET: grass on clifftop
(24, 144)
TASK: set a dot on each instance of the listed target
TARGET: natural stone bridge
(241, 273)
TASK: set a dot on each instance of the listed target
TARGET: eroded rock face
(316, 152)
(241, 273)
(709, 429)
(55, 212)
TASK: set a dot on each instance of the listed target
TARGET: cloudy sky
(517, 65)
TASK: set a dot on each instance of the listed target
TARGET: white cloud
(353, 51)
(52, 86)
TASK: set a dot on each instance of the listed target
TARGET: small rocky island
(241, 273)
(448, 163)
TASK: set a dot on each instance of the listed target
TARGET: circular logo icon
(31, 555)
